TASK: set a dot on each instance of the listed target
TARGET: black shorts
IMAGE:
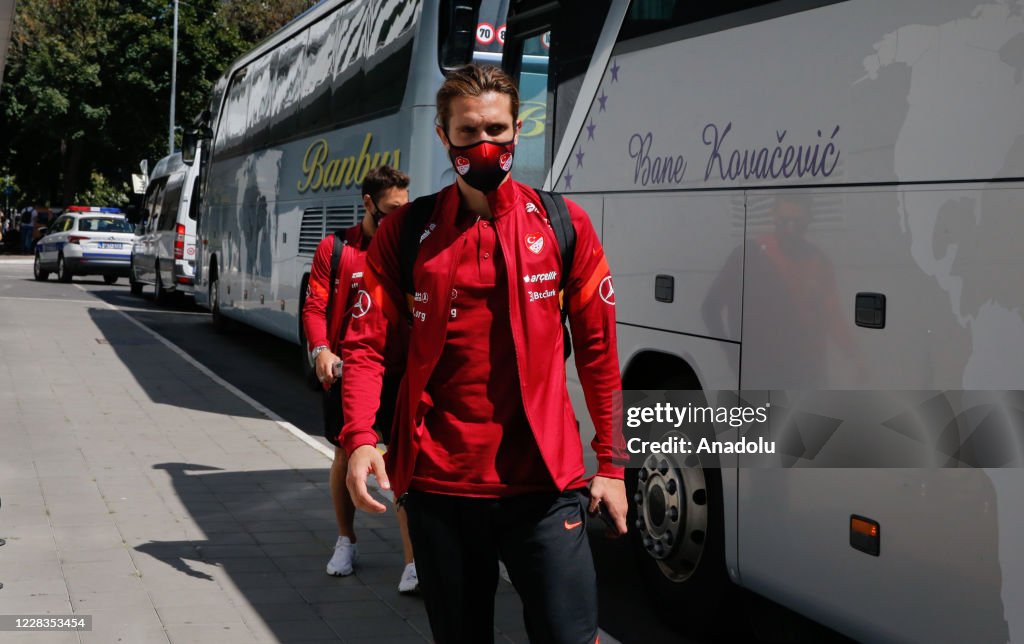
(334, 417)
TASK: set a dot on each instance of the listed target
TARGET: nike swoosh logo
(572, 526)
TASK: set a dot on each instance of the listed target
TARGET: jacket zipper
(514, 302)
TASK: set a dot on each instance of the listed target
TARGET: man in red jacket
(384, 190)
(486, 455)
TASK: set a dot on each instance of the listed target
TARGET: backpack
(558, 214)
(336, 251)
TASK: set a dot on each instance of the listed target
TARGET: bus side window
(389, 54)
(261, 92)
(231, 131)
(652, 16)
(317, 68)
(286, 72)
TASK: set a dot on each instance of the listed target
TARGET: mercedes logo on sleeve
(607, 291)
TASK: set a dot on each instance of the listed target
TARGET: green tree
(102, 192)
(87, 83)
(255, 20)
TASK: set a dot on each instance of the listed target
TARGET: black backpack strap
(565, 235)
(336, 251)
(409, 240)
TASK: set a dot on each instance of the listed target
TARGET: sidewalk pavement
(137, 490)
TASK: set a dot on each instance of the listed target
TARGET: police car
(86, 241)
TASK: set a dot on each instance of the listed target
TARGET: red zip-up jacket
(533, 262)
(319, 330)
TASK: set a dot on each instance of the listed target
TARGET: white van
(164, 252)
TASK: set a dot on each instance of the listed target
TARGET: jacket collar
(502, 201)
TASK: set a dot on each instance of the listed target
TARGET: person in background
(326, 316)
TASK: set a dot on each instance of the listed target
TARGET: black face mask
(483, 165)
(377, 214)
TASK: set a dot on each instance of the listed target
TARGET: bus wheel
(219, 321)
(306, 366)
(677, 534)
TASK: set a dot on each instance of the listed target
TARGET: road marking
(44, 299)
(246, 398)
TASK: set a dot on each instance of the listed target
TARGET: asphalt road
(266, 368)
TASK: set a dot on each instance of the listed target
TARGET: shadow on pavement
(271, 533)
(263, 366)
(162, 374)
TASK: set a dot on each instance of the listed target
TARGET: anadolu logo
(505, 161)
(461, 165)
(535, 243)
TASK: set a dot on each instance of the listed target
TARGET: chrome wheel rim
(672, 511)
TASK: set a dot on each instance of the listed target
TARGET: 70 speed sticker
(485, 33)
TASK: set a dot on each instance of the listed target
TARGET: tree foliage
(87, 84)
(102, 192)
(255, 19)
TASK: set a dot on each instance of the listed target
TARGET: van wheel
(677, 534)
(133, 283)
(37, 270)
(63, 274)
(306, 366)
(110, 279)
(161, 295)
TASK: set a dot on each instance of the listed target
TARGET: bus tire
(220, 323)
(306, 366)
(676, 526)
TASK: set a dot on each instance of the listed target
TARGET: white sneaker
(410, 583)
(344, 558)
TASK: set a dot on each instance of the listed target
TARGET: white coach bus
(297, 123)
(800, 195)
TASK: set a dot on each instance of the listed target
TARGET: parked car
(164, 251)
(85, 241)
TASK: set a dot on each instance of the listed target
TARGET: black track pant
(541, 538)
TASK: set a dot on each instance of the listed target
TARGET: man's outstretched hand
(366, 460)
